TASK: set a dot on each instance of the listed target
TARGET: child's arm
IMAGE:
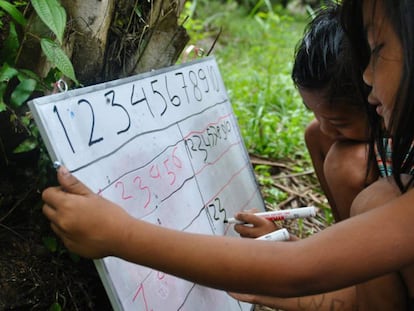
(318, 145)
(344, 299)
(379, 242)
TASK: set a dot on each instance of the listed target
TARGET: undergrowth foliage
(255, 53)
(18, 84)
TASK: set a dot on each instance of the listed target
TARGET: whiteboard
(165, 146)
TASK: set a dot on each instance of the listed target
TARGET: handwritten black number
(199, 148)
(175, 100)
(135, 102)
(156, 92)
(184, 85)
(196, 89)
(206, 143)
(113, 104)
(64, 129)
(91, 140)
(202, 76)
(218, 209)
(211, 135)
(189, 149)
(213, 78)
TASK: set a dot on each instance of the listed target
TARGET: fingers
(69, 244)
(242, 297)
(249, 232)
(59, 202)
(258, 226)
(70, 183)
(49, 212)
(56, 230)
(53, 197)
(250, 218)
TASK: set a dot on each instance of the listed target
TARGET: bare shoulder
(377, 194)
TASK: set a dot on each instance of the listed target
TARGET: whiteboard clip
(60, 86)
(192, 49)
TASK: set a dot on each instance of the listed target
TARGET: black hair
(322, 59)
(401, 128)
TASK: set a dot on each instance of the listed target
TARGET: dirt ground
(36, 270)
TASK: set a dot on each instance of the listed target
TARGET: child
(338, 139)
(370, 251)
(321, 72)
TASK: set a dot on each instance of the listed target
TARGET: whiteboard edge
(108, 285)
(42, 130)
(108, 84)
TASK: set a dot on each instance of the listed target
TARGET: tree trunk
(108, 39)
(89, 23)
(113, 41)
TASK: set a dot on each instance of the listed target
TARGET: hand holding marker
(294, 213)
(281, 234)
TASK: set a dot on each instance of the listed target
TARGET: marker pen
(278, 235)
(293, 213)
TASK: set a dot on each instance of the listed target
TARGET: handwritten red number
(124, 197)
(143, 188)
(170, 173)
(157, 173)
(144, 299)
(176, 160)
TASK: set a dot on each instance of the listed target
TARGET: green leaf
(7, 72)
(50, 243)
(11, 45)
(26, 73)
(74, 257)
(53, 15)
(22, 92)
(3, 87)
(55, 307)
(13, 12)
(57, 57)
(27, 145)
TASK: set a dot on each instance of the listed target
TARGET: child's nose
(367, 75)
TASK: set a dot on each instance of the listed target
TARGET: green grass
(255, 56)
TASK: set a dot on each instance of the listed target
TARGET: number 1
(64, 129)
